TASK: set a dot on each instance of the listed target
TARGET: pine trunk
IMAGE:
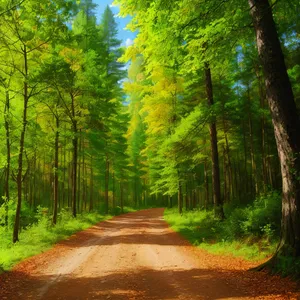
(106, 183)
(7, 170)
(121, 197)
(253, 163)
(180, 197)
(206, 201)
(218, 202)
(113, 191)
(92, 186)
(55, 188)
(75, 158)
(21, 151)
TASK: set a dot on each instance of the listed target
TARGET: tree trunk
(33, 193)
(136, 200)
(113, 191)
(180, 197)
(80, 163)
(21, 150)
(186, 197)
(74, 174)
(262, 98)
(218, 202)
(92, 186)
(253, 163)
(121, 197)
(106, 183)
(206, 201)
(75, 157)
(227, 152)
(7, 169)
(145, 193)
(285, 120)
(84, 183)
(55, 187)
(64, 174)
(70, 172)
(226, 188)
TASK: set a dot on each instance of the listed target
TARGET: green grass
(41, 235)
(202, 230)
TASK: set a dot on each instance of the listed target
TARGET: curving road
(137, 256)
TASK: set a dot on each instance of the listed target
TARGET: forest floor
(137, 256)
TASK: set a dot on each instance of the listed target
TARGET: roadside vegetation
(250, 232)
(196, 112)
(38, 233)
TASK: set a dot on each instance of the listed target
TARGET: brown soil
(137, 256)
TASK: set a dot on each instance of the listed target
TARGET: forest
(199, 115)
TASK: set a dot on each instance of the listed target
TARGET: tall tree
(285, 120)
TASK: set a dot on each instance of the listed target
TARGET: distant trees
(210, 49)
(62, 110)
(190, 123)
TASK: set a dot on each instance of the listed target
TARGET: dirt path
(136, 256)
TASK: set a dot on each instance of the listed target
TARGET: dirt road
(137, 256)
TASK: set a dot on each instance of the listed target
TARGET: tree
(111, 92)
(285, 120)
(21, 24)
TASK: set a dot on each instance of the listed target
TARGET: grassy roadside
(227, 237)
(41, 235)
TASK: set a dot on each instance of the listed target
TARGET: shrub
(263, 217)
(259, 222)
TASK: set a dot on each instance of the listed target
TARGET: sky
(126, 36)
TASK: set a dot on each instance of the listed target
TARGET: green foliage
(41, 235)
(69, 79)
(262, 218)
(8, 210)
(287, 265)
(250, 232)
(118, 210)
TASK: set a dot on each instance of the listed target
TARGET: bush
(248, 231)
(40, 235)
(260, 219)
(263, 217)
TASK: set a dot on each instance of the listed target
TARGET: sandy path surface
(137, 256)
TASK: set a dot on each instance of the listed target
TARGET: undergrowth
(38, 234)
(249, 232)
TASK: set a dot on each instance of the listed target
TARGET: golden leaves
(73, 57)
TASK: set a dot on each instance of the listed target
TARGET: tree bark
(206, 201)
(121, 197)
(218, 202)
(285, 121)
(229, 165)
(65, 169)
(33, 192)
(80, 163)
(106, 183)
(113, 191)
(21, 149)
(262, 98)
(55, 187)
(180, 198)
(186, 197)
(7, 171)
(75, 157)
(253, 163)
(92, 187)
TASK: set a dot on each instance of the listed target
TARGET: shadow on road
(143, 284)
(159, 283)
